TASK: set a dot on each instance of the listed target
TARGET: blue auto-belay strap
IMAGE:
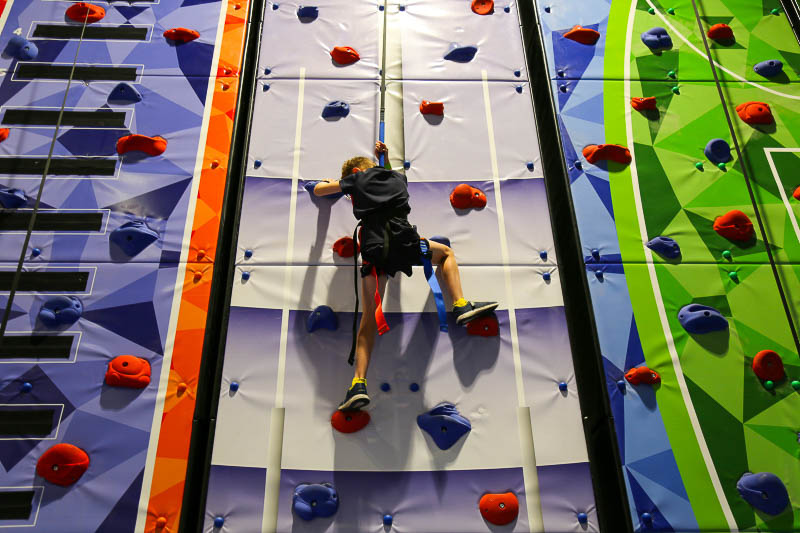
(434, 283)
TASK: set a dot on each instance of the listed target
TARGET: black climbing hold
(444, 424)
(124, 94)
(385, 387)
(413, 387)
(133, 237)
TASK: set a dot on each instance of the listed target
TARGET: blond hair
(359, 162)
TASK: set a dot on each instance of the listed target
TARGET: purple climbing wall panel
(281, 384)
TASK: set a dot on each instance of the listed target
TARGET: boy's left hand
(381, 148)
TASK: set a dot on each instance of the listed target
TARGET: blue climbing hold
(133, 237)
(441, 240)
(582, 518)
(336, 109)
(318, 500)
(310, 184)
(518, 88)
(657, 39)
(12, 198)
(460, 54)
(543, 255)
(385, 387)
(245, 275)
(275, 7)
(406, 164)
(307, 13)
(764, 491)
(562, 386)
(401, 7)
(444, 424)
(595, 254)
(546, 276)
(517, 73)
(665, 247)
(529, 165)
(387, 520)
(26, 387)
(696, 318)
(36, 252)
(507, 9)
(21, 48)
(621, 385)
(265, 87)
(124, 94)
(234, 386)
(646, 518)
(60, 311)
(413, 387)
(248, 253)
(257, 163)
(769, 68)
(219, 521)
(267, 71)
(322, 317)
(718, 151)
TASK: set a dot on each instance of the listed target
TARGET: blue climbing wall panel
(281, 384)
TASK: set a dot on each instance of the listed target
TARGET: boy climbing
(388, 244)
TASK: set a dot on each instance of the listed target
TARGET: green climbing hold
(653, 11)
(699, 166)
(769, 384)
(671, 11)
(676, 90)
(795, 384)
(726, 254)
(721, 166)
(672, 74)
(734, 276)
(775, 11)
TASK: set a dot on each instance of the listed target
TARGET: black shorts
(391, 247)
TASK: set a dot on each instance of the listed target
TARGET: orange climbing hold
(349, 421)
(464, 196)
(734, 225)
(755, 113)
(141, 143)
(226, 69)
(767, 365)
(607, 152)
(62, 464)
(485, 326)
(344, 55)
(181, 34)
(796, 193)
(499, 509)
(128, 371)
(483, 7)
(431, 108)
(4, 134)
(647, 103)
(82, 11)
(720, 32)
(642, 375)
(345, 247)
(582, 35)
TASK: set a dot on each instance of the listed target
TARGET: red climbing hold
(181, 34)
(344, 55)
(499, 509)
(128, 371)
(4, 134)
(755, 113)
(345, 247)
(141, 143)
(485, 326)
(582, 35)
(81, 11)
(734, 225)
(796, 193)
(431, 108)
(767, 365)
(643, 104)
(349, 421)
(720, 32)
(62, 464)
(226, 69)
(607, 152)
(483, 7)
(465, 196)
(642, 375)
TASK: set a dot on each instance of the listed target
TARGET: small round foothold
(543, 255)
(161, 522)
(578, 165)
(181, 388)
(219, 521)
(676, 90)
(672, 74)
(546, 276)
(721, 166)
(380, 7)
(257, 163)
(734, 276)
(197, 277)
(267, 71)
(245, 275)
(651, 11)
(518, 88)
(595, 253)
(547, 9)
(201, 254)
(507, 9)
(517, 73)
(775, 11)
(699, 165)
(795, 384)
(562, 386)
(414, 387)
(582, 518)
(385, 387)
(401, 7)
(248, 253)
(275, 7)
(598, 274)
(234, 386)
(769, 384)
(562, 88)
(646, 518)
(27, 387)
(671, 10)
(726, 254)
(265, 87)
(621, 384)
(36, 252)
(214, 163)
(387, 520)
(406, 164)
(529, 165)
(560, 73)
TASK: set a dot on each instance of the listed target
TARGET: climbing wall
(281, 383)
(120, 258)
(721, 411)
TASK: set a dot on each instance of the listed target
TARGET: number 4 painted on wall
(18, 31)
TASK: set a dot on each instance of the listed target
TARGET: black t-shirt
(377, 191)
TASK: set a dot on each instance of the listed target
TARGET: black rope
(743, 161)
(31, 223)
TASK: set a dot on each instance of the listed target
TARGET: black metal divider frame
(598, 422)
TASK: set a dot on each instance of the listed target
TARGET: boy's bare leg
(368, 328)
(445, 259)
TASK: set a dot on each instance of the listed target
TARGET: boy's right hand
(381, 148)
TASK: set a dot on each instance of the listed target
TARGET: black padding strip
(32, 71)
(45, 281)
(35, 117)
(16, 505)
(65, 31)
(59, 166)
(51, 221)
(19, 422)
(36, 347)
